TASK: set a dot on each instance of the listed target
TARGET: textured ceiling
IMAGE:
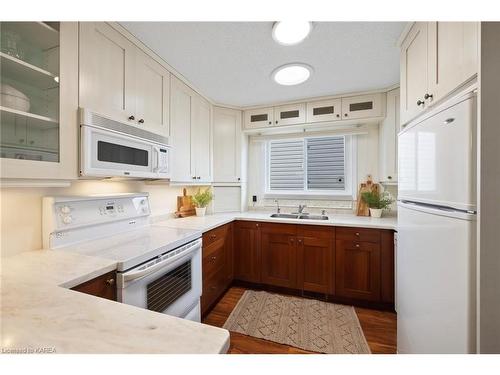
(231, 62)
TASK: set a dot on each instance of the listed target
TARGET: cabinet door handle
(357, 234)
(427, 96)
(420, 102)
(239, 179)
(110, 282)
(299, 241)
(292, 240)
(270, 122)
(276, 121)
(257, 225)
(131, 118)
(141, 121)
(345, 114)
(214, 258)
(357, 245)
(338, 115)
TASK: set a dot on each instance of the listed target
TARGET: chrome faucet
(301, 208)
(278, 209)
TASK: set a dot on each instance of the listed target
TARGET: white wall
(21, 208)
(367, 163)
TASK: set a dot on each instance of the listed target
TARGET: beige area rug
(303, 323)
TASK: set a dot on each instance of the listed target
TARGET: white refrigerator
(436, 283)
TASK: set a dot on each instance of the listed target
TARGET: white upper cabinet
(201, 161)
(324, 110)
(259, 118)
(190, 132)
(388, 139)
(107, 61)
(227, 145)
(362, 106)
(181, 97)
(413, 65)
(39, 101)
(119, 80)
(436, 58)
(453, 56)
(290, 114)
(152, 94)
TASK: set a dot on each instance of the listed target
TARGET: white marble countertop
(40, 313)
(209, 222)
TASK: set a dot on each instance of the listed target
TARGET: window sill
(341, 197)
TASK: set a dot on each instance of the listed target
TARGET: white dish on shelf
(13, 98)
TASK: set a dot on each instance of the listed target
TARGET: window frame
(350, 160)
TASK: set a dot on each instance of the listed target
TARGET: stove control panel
(61, 214)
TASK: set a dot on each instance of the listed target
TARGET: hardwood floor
(379, 328)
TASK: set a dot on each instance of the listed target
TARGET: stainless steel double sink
(300, 216)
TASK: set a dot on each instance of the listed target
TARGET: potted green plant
(377, 202)
(201, 200)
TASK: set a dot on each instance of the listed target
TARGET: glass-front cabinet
(38, 99)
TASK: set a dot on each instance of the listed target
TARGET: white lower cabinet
(190, 135)
(227, 143)
(388, 132)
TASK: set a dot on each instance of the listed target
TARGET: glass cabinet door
(29, 91)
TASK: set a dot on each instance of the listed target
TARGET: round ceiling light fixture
(292, 74)
(289, 33)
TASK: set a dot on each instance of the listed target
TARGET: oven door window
(164, 291)
(116, 153)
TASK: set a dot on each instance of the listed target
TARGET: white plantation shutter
(286, 165)
(325, 163)
(315, 165)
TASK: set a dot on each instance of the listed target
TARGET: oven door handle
(134, 275)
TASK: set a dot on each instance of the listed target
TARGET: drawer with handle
(213, 258)
(358, 234)
(214, 235)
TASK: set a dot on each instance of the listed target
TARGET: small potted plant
(377, 202)
(201, 200)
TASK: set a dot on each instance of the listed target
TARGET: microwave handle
(156, 159)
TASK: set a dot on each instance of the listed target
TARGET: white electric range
(158, 268)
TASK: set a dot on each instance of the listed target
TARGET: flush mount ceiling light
(291, 32)
(292, 74)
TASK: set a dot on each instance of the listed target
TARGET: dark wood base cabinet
(338, 264)
(217, 264)
(247, 262)
(103, 286)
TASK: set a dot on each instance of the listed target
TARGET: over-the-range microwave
(110, 148)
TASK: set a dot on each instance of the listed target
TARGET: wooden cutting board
(185, 205)
(368, 186)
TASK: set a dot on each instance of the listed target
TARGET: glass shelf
(22, 71)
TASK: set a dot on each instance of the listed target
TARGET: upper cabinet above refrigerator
(39, 100)
(436, 58)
